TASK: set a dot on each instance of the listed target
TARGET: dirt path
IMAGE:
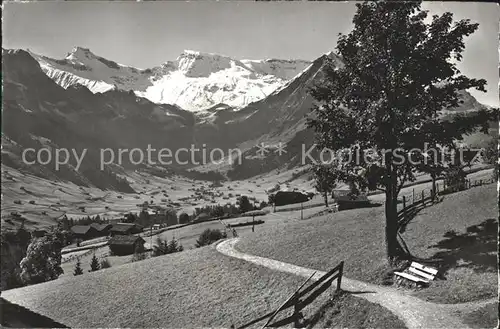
(415, 312)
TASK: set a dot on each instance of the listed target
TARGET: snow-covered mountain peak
(79, 53)
(196, 64)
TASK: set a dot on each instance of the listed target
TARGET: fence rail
(414, 202)
(301, 298)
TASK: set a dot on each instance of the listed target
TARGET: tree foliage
(209, 236)
(14, 245)
(43, 260)
(398, 73)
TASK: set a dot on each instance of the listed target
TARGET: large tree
(399, 71)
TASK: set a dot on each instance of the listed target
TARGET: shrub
(138, 255)
(209, 236)
(105, 263)
(183, 218)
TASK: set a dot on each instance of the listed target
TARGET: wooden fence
(413, 203)
(301, 298)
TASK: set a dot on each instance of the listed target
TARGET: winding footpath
(415, 312)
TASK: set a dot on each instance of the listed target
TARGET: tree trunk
(325, 195)
(433, 176)
(393, 247)
(391, 227)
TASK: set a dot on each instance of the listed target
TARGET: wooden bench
(420, 274)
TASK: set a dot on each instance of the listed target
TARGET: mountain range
(194, 81)
(87, 101)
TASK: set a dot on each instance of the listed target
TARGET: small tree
(271, 198)
(94, 264)
(174, 246)
(129, 218)
(78, 268)
(454, 179)
(42, 261)
(325, 180)
(244, 204)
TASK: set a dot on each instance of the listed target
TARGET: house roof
(123, 227)
(202, 216)
(101, 227)
(80, 229)
(124, 240)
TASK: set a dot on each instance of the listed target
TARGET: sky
(146, 34)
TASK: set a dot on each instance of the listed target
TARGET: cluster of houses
(95, 230)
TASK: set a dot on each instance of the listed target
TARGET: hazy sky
(147, 34)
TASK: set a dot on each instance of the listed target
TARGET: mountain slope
(41, 114)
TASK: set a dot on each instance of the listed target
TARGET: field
(357, 236)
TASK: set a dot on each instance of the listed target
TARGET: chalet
(84, 232)
(121, 245)
(203, 217)
(38, 233)
(346, 200)
(125, 229)
(282, 198)
(102, 229)
(156, 214)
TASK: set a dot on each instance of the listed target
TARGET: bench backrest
(423, 271)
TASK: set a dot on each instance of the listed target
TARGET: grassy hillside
(195, 288)
(357, 236)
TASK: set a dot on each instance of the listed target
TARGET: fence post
(339, 278)
(296, 311)
(404, 207)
